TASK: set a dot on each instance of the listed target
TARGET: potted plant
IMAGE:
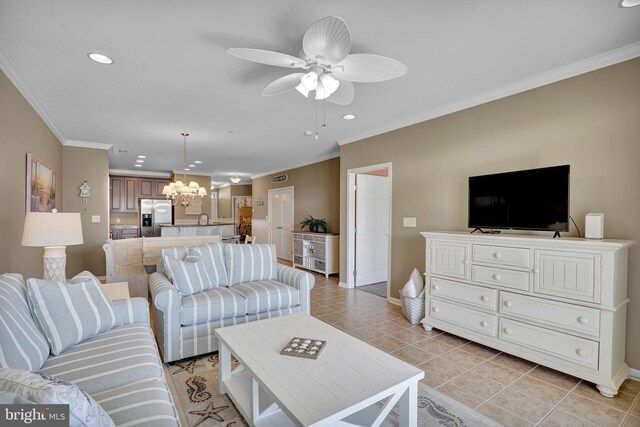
(315, 225)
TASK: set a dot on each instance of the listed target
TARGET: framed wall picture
(41, 185)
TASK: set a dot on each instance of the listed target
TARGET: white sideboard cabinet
(316, 251)
(561, 303)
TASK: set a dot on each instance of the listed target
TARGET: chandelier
(179, 192)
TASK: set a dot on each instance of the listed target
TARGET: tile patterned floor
(508, 389)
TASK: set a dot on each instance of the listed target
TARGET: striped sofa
(119, 368)
(257, 287)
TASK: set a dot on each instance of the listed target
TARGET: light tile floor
(508, 389)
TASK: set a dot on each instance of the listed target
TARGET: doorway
(369, 228)
(280, 220)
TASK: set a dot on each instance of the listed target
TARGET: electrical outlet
(408, 222)
(95, 218)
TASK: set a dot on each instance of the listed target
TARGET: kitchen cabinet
(146, 188)
(159, 185)
(123, 194)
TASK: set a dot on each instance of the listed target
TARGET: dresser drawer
(466, 317)
(464, 294)
(568, 317)
(564, 346)
(501, 255)
(500, 277)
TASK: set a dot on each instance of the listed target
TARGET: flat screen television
(534, 199)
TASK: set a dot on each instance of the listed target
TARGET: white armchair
(125, 264)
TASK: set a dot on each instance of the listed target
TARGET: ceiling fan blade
(343, 95)
(267, 57)
(328, 40)
(282, 85)
(366, 68)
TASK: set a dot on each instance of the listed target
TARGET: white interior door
(281, 221)
(372, 229)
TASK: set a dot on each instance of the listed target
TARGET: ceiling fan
(329, 69)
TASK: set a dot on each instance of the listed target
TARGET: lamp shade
(52, 229)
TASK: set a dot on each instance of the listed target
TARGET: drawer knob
(536, 271)
(435, 309)
(507, 331)
(583, 320)
(436, 287)
(581, 352)
(496, 276)
(507, 303)
(484, 298)
(498, 255)
(464, 261)
(483, 324)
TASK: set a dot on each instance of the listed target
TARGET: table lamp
(54, 231)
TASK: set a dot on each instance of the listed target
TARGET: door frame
(269, 193)
(351, 221)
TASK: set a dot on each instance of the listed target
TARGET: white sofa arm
(301, 280)
(131, 310)
(165, 308)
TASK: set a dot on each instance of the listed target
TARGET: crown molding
(87, 144)
(306, 163)
(581, 67)
(125, 172)
(12, 72)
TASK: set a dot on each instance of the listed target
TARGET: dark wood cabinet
(146, 188)
(159, 185)
(123, 194)
(115, 193)
(130, 195)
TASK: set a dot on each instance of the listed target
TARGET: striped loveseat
(120, 368)
(199, 289)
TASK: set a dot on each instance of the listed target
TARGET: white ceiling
(171, 71)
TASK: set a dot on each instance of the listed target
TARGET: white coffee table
(340, 388)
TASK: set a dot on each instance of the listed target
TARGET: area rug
(379, 289)
(194, 386)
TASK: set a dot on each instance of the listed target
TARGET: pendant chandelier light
(235, 179)
(179, 192)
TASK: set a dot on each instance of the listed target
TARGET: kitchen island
(210, 229)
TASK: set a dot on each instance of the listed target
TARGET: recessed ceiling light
(197, 162)
(628, 3)
(349, 116)
(307, 133)
(142, 157)
(100, 58)
(187, 169)
(139, 161)
(192, 166)
(138, 165)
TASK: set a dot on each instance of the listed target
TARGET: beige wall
(203, 181)
(92, 165)
(23, 131)
(226, 195)
(591, 122)
(316, 192)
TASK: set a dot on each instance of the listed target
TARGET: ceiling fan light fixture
(329, 82)
(303, 90)
(310, 80)
(321, 92)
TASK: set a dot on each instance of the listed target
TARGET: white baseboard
(393, 300)
(344, 285)
(634, 374)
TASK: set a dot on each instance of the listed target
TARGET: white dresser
(316, 251)
(561, 303)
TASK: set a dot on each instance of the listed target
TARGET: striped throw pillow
(70, 313)
(212, 255)
(22, 345)
(179, 252)
(187, 277)
(250, 263)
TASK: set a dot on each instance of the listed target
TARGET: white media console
(561, 303)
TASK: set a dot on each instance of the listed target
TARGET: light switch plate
(95, 218)
(408, 222)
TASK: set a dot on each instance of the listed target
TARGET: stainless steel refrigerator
(152, 214)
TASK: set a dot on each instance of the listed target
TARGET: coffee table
(340, 388)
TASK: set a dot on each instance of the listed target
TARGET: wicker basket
(413, 308)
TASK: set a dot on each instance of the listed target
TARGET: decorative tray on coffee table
(307, 348)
